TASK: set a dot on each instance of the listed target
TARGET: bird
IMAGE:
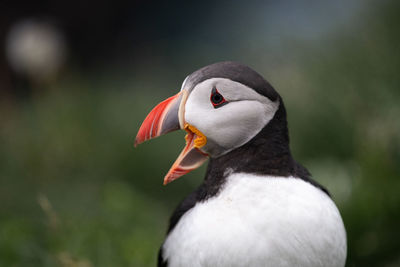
(257, 206)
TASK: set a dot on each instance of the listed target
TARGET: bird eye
(217, 100)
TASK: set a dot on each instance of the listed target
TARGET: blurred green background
(77, 78)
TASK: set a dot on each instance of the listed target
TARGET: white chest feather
(260, 221)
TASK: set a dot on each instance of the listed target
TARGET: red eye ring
(216, 99)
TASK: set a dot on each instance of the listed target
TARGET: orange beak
(166, 117)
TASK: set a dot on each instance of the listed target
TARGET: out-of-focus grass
(73, 188)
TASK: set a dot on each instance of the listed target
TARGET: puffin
(257, 206)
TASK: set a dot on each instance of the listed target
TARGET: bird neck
(268, 153)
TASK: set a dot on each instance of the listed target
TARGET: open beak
(166, 117)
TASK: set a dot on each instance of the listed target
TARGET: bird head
(221, 107)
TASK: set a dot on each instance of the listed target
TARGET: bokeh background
(78, 77)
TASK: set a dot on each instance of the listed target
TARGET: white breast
(260, 221)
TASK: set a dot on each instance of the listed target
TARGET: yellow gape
(201, 139)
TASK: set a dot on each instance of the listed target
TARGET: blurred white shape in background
(36, 49)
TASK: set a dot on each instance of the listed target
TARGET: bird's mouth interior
(191, 156)
(192, 132)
